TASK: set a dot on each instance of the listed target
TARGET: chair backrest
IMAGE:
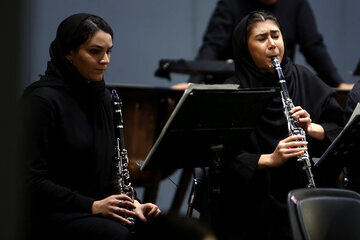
(324, 214)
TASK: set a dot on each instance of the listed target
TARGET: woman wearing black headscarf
(266, 168)
(69, 140)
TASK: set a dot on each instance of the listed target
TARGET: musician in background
(299, 26)
(266, 167)
(70, 144)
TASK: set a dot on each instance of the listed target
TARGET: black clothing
(63, 138)
(258, 202)
(352, 165)
(69, 146)
(298, 25)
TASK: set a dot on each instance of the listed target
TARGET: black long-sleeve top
(258, 196)
(298, 27)
(64, 176)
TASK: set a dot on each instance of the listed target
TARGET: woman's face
(264, 42)
(93, 56)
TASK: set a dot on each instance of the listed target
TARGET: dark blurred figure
(174, 227)
(299, 27)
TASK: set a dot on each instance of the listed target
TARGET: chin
(96, 79)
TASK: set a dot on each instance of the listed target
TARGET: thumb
(142, 217)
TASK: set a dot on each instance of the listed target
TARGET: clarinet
(121, 153)
(293, 123)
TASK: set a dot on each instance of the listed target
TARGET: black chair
(324, 213)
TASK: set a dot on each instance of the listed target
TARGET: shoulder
(48, 94)
(303, 69)
(46, 88)
(48, 99)
(307, 78)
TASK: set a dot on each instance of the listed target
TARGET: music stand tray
(206, 116)
(341, 151)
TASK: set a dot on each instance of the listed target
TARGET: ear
(69, 56)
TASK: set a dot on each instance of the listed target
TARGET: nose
(271, 42)
(105, 59)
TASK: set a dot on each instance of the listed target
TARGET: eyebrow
(100, 47)
(265, 34)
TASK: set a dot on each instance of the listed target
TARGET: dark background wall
(145, 32)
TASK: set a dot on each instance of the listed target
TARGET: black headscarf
(303, 88)
(61, 74)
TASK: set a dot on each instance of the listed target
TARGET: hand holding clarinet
(123, 207)
(299, 124)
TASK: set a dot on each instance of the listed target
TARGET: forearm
(290, 147)
(317, 132)
(264, 161)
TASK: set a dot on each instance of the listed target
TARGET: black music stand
(206, 116)
(208, 122)
(344, 150)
